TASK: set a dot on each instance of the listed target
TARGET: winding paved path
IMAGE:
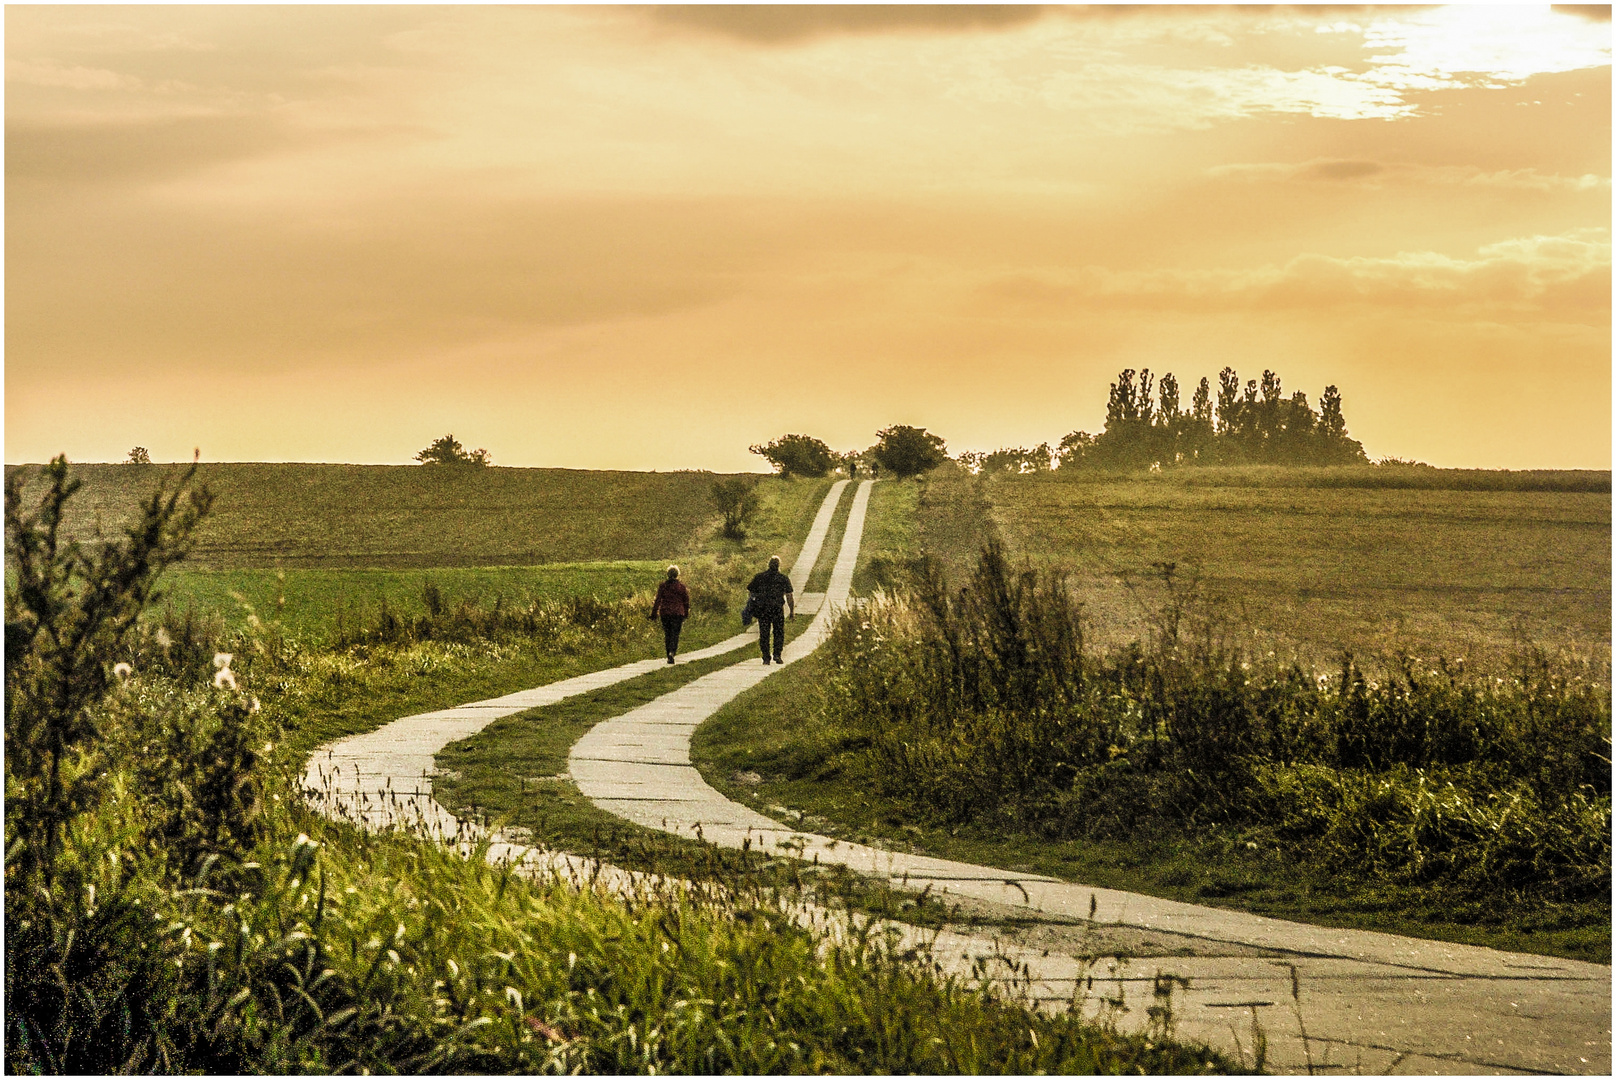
(1363, 1001)
(383, 778)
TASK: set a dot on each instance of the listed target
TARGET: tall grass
(984, 704)
(171, 906)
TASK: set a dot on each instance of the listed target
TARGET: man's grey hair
(673, 572)
(774, 562)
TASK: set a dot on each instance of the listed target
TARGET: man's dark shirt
(768, 591)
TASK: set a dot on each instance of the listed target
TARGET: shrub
(448, 451)
(1009, 459)
(738, 501)
(67, 614)
(88, 976)
(907, 451)
(138, 456)
(799, 455)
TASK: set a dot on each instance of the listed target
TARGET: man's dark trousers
(777, 620)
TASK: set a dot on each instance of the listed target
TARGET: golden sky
(617, 237)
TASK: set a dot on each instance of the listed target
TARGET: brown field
(1323, 569)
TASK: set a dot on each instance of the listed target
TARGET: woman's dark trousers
(670, 632)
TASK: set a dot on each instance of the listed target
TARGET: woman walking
(672, 604)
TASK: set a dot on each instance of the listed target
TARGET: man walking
(771, 593)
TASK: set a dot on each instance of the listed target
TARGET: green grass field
(315, 603)
(406, 517)
(315, 547)
(1434, 571)
(889, 532)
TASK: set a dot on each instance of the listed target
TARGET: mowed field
(314, 545)
(1327, 569)
(286, 515)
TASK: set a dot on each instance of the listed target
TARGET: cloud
(386, 279)
(142, 150)
(1345, 170)
(56, 75)
(1523, 276)
(1479, 45)
(1591, 12)
(1381, 173)
(773, 24)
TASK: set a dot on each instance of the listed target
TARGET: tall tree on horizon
(1228, 401)
(1255, 423)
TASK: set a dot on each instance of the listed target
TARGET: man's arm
(791, 602)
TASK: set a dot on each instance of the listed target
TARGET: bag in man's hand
(747, 614)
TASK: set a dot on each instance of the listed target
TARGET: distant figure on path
(770, 593)
(673, 604)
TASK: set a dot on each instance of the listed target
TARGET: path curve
(383, 778)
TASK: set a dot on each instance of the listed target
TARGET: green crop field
(405, 517)
(1321, 568)
(318, 546)
(315, 603)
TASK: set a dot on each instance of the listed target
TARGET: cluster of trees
(899, 450)
(1146, 424)
(1010, 459)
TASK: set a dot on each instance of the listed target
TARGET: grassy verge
(788, 513)
(434, 963)
(513, 774)
(890, 538)
(772, 731)
(320, 696)
(313, 604)
(819, 579)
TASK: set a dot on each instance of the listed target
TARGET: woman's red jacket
(672, 598)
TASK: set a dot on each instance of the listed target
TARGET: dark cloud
(783, 23)
(1593, 12)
